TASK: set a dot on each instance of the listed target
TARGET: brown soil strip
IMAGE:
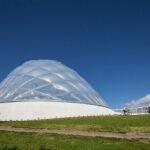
(132, 135)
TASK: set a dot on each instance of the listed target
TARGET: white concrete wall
(48, 110)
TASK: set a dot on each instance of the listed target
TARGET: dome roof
(47, 80)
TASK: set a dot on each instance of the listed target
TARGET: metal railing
(133, 111)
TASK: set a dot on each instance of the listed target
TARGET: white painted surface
(49, 110)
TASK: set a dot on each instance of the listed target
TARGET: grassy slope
(122, 124)
(39, 141)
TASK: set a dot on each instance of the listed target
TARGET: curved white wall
(48, 110)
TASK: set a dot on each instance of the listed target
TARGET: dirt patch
(145, 141)
(132, 135)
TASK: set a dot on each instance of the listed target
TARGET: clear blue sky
(106, 42)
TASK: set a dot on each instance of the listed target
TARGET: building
(44, 89)
(134, 111)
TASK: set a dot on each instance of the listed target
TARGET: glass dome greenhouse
(47, 80)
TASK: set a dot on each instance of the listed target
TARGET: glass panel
(50, 90)
(68, 98)
(35, 83)
(37, 72)
(32, 95)
(50, 80)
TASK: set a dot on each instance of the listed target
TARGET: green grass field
(118, 124)
(40, 141)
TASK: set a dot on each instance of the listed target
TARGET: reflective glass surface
(47, 80)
